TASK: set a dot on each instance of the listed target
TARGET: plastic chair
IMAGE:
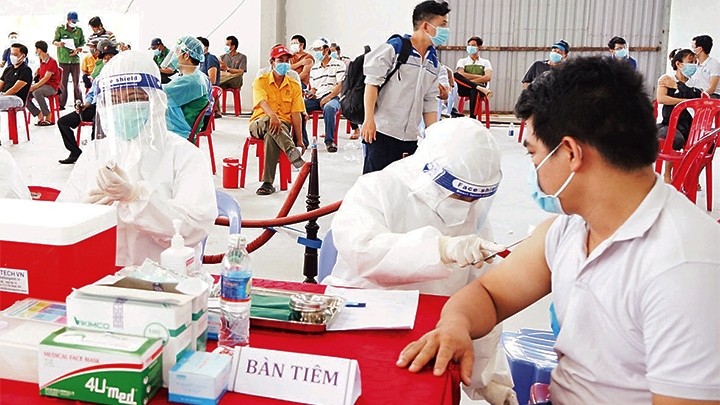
(482, 102)
(539, 393)
(237, 100)
(207, 132)
(54, 103)
(531, 358)
(40, 193)
(705, 119)
(327, 256)
(699, 156)
(79, 129)
(12, 121)
(285, 171)
(315, 115)
(196, 126)
(227, 207)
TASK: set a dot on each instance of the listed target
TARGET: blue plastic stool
(531, 358)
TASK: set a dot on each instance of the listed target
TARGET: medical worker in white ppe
(12, 181)
(421, 223)
(151, 175)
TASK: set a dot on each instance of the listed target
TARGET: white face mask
(294, 48)
(15, 59)
(452, 211)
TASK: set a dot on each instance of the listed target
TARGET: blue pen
(355, 304)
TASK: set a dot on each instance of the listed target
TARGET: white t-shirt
(701, 78)
(324, 78)
(641, 313)
(462, 63)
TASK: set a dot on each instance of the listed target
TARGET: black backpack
(352, 96)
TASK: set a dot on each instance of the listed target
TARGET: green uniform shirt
(161, 57)
(98, 67)
(63, 53)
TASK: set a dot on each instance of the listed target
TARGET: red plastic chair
(54, 104)
(706, 117)
(285, 173)
(482, 102)
(40, 193)
(539, 393)
(79, 128)
(315, 115)
(696, 158)
(520, 132)
(207, 132)
(237, 100)
(12, 121)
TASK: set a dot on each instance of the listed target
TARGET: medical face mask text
(129, 118)
(554, 57)
(282, 68)
(548, 203)
(689, 69)
(441, 35)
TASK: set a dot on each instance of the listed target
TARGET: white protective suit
(12, 181)
(389, 228)
(168, 176)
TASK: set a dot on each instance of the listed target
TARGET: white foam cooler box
(48, 248)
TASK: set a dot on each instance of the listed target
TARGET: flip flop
(44, 124)
(265, 189)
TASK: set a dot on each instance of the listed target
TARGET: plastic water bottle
(511, 130)
(235, 285)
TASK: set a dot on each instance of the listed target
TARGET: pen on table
(355, 304)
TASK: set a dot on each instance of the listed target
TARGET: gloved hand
(466, 250)
(97, 196)
(116, 184)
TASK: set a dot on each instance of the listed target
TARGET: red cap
(278, 51)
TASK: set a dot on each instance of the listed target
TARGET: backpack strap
(406, 49)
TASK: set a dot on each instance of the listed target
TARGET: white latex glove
(117, 184)
(466, 250)
(97, 196)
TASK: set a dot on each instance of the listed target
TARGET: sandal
(44, 124)
(265, 189)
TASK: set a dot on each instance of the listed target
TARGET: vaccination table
(375, 351)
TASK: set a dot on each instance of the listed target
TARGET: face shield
(131, 106)
(184, 46)
(461, 171)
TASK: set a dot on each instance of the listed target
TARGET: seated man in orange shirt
(277, 106)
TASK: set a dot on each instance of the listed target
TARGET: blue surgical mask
(548, 203)
(333, 55)
(318, 55)
(129, 118)
(156, 52)
(282, 68)
(441, 35)
(471, 49)
(554, 57)
(227, 49)
(689, 69)
(621, 53)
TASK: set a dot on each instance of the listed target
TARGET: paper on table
(384, 309)
(69, 43)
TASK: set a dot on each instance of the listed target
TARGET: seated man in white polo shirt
(632, 265)
(708, 69)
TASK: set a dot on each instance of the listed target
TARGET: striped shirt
(324, 78)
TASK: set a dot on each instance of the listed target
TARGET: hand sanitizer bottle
(178, 258)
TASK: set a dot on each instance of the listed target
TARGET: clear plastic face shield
(130, 120)
(180, 53)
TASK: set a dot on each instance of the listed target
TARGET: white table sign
(305, 378)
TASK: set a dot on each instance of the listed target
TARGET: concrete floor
(513, 213)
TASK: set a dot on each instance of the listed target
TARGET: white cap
(320, 42)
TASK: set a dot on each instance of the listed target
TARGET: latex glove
(466, 250)
(97, 196)
(117, 184)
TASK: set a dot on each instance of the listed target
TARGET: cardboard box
(200, 378)
(103, 368)
(200, 320)
(49, 248)
(137, 307)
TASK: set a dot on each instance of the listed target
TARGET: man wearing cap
(69, 40)
(277, 107)
(187, 93)
(160, 52)
(558, 53)
(326, 78)
(85, 112)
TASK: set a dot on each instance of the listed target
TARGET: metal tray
(335, 304)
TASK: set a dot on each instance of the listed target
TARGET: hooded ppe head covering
(456, 170)
(186, 44)
(130, 111)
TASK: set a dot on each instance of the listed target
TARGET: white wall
(351, 24)
(690, 18)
